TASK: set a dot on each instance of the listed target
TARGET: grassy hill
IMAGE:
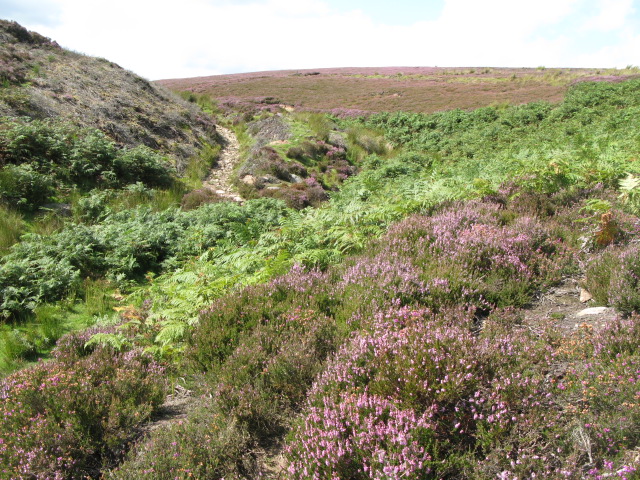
(418, 319)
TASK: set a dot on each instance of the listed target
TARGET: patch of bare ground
(272, 464)
(219, 179)
(568, 307)
(175, 408)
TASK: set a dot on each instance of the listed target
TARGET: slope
(41, 80)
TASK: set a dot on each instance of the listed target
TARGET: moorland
(384, 301)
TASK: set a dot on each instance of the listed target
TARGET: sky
(188, 38)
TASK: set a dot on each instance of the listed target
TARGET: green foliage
(207, 445)
(124, 247)
(141, 164)
(24, 187)
(116, 341)
(263, 341)
(12, 226)
(83, 158)
(630, 192)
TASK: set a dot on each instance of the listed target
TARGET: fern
(630, 192)
(172, 333)
(117, 341)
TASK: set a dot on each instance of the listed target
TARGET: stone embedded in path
(594, 311)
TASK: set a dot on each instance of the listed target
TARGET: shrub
(205, 445)
(141, 164)
(599, 272)
(613, 278)
(93, 208)
(624, 292)
(201, 196)
(264, 381)
(25, 188)
(68, 420)
(293, 197)
(43, 143)
(91, 156)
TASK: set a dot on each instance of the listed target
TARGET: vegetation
(379, 331)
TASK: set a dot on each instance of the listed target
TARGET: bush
(45, 143)
(613, 278)
(25, 188)
(624, 292)
(206, 445)
(94, 207)
(69, 420)
(196, 198)
(91, 156)
(141, 164)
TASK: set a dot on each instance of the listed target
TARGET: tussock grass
(12, 225)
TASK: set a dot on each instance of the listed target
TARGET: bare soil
(175, 408)
(563, 306)
(219, 180)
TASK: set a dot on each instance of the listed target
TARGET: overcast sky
(187, 38)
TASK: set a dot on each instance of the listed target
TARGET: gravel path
(219, 180)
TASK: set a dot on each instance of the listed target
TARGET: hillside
(450, 295)
(41, 80)
(350, 91)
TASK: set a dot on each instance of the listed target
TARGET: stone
(585, 296)
(249, 179)
(593, 311)
(337, 139)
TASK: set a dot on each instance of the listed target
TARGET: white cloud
(162, 39)
(612, 15)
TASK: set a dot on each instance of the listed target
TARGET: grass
(378, 335)
(24, 343)
(12, 226)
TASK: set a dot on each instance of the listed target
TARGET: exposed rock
(594, 311)
(269, 179)
(563, 305)
(267, 130)
(219, 179)
(249, 179)
(585, 296)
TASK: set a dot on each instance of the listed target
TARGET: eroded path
(219, 180)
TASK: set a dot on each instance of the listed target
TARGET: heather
(73, 416)
(409, 360)
(357, 91)
(364, 312)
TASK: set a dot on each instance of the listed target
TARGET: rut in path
(219, 179)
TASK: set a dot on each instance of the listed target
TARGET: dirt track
(219, 180)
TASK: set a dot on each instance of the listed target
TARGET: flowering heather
(361, 436)
(433, 399)
(461, 255)
(65, 420)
